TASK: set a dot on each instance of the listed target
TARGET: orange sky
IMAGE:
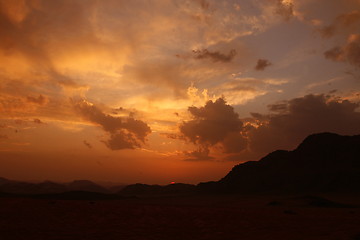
(170, 90)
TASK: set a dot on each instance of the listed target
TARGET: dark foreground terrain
(188, 217)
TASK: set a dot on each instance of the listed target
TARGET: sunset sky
(170, 90)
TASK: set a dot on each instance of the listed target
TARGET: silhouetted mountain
(324, 162)
(86, 185)
(144, 189)
(117, 188)
(47, 187)
(3, 181)
(18, 187)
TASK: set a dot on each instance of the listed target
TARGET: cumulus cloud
(215, 123)
(125, 133)
(262, 64)
(343, 22)
(214, 56)
(291, 121)
(350, 52)
(217, 126)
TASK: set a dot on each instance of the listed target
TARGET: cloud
(335, 54)
(285, 9)
(125, 133)
(214, 56)
(350, 52)
(217, 127)
(22, 33)
(240, 90)
(202, 154)
(215, 123)
(291, 121)
(37, 121)
(41, 100)
(262, 64)
(159, 73)
(343, 22)
(87, 144)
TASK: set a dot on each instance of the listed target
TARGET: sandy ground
(196, 217)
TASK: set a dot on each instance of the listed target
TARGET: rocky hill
(324, 162)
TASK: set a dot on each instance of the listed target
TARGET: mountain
(10, 186)
(47, 187)
(86, 185)
(324, 162)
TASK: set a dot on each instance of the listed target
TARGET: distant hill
(86, 185)
(47, 187)
(18, 187)
(323, 162)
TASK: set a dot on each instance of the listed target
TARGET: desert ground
(182, 217)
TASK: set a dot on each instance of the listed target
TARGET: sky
(160, 91)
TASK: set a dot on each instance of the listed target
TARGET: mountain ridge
(325, 162)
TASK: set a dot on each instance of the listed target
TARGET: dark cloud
(284, 9)
(41, 100)
(350, 52)
(279, 108)
(262, 64)
(202, 154)
(234, 143)
(290, 122)
(215, 123)
(334, 54)
(347, 21)
(37, 121)
(87, 144)
(214, 56)
(125, 133)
